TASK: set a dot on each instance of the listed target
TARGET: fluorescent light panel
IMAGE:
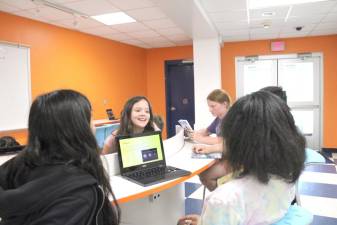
(114, 18)
(258, 4)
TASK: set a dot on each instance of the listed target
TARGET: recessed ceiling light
(268, 14)
(258, 4)
(114, 18)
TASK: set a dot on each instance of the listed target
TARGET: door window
(299, 76)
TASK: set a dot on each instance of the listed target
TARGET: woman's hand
(201, 149)
(189, 220)
(194, 135)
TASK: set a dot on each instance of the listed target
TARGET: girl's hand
(189, 220)
(201, 149)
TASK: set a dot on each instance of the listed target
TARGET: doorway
(299, 75)
(179, 85)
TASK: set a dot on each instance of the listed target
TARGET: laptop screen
(140, 150)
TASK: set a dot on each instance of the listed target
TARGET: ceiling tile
(178, 37)
(161, 23)
(234, 25)
(326, 26)
(92, 7)
(280, 13)
(223, 5)
(323, 32)
(312, 8)
(162, 44)
(117, 37)
(131, 4)
(99, 30)
(225, 16)
(21, 4)
(273, 23)
(81, 23)
(263, 36)
(51, 13)
(256, 31)
(183, 43)
(235, 32)
(235, 38)
(154, 39)
(130, 27)
(335, 8)
(146, 14)
(292, 35)
(170, 31)
(146, 34)
(62, 1)
(133, 42)
(31, 14)
(331, 17)
(292, 29)
(8, 8)
(302, 20)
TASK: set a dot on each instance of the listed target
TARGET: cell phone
(111, 115)
(185, 124)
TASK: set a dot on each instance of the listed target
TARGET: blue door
(179, 81)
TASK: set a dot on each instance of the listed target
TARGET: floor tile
(322, 220)
(323, 168)
(318, 189)
(198, 194)
(190, 188)
(193, 206)
(325, 178)
(320, 206)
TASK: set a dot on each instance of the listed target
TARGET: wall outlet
(154, 197)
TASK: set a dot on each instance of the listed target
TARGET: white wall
(207, 76)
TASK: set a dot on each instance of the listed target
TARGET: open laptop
(142, 159)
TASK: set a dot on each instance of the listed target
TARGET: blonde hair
(220, 96)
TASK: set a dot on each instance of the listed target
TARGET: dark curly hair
(261, 138)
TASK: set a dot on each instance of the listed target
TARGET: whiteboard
(15, 87)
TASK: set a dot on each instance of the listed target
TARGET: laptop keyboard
(151, 172)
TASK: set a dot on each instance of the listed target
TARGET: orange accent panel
(165, 186)
(100, 68)
(324, 44)
(156, 74)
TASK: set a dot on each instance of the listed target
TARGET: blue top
(214, 127)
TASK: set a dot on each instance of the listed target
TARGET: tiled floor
(317, 188)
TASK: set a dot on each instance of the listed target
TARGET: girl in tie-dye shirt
(266, 155)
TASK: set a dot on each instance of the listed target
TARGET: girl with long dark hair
(136, 117)
(59, 177)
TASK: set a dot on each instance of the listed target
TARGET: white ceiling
(230, 18)
(155, 29)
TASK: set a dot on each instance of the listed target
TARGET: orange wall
(156, 74)
(324, 44)
(62, 58)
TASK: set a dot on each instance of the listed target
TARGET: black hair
(276, 91)
(261, 138)
(126, 125)
(60, 132)
(8, 141)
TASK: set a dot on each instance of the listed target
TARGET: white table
(161, 203)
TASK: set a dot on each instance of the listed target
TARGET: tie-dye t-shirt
(246, 201)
